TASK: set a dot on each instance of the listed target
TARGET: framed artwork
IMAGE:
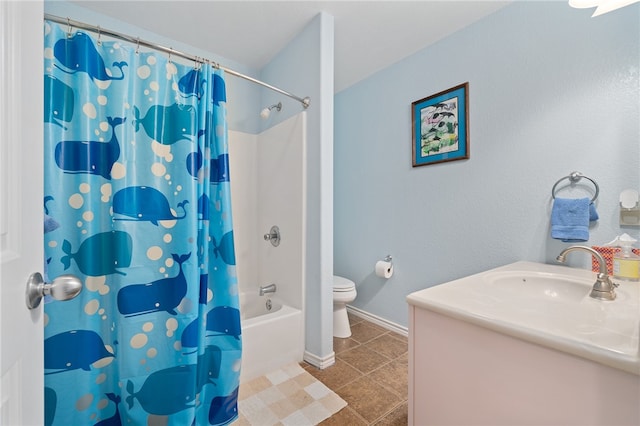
(441, 126)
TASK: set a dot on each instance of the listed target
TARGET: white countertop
(548, 305)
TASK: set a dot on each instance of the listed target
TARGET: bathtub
(272, 334)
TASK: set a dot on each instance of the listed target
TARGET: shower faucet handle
(273, 236)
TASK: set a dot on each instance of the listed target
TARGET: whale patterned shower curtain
(137, 204)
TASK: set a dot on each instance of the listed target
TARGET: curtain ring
(170, 50)
(99, 36)
(69, 29)
(138, 46)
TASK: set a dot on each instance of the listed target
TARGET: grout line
(376, 421)
(362, 372)
(397, 339)
(359, 416)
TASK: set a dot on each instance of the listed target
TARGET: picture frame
(440, 126)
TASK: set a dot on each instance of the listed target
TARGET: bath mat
(288, 396)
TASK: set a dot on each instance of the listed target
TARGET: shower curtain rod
(97, 29)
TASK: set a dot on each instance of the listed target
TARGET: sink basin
(548, 305)
(553, 287)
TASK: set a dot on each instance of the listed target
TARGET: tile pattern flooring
(289, 396)
(370, 374)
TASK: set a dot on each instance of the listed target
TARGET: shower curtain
(137, 204)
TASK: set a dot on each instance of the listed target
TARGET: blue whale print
(191, 84)
(218, 167)
(219, 93)
(50, 403)
(50, 224)
(189, 338)
(46, 199)
(73, 350)
(91, 157)
(224, 320)
(144, 203)
(179, 385)
(204, 286)
(221, 320)
(167, 125)
(194, 162)
(203, 207)
(58, 101)
(137, 204)
(208, 366)
(101, 254)
(178, 390)
(78, 54)
(224, 409)
(161, 295)
(115, 419)
(225, 248)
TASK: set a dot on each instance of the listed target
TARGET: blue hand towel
(570, 219)
(593, 214)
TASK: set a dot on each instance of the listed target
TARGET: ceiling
(369, 35)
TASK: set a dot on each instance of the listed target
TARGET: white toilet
(344, 291)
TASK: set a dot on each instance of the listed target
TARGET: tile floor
(370, 374)
(289, 396)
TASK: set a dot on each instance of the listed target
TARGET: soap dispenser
(630, 207)
(626, 264)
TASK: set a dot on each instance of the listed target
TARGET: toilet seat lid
(342, 284)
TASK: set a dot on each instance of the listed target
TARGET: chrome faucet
(603, 288)
(264, 289)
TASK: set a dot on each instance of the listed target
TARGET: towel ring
(574, 177)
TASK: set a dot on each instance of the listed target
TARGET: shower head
(266, 112)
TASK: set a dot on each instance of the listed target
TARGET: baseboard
(320, 362)
(392, 326)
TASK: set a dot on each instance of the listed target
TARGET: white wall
(281, 202)
(267, 188)
(305, 67)
(243, 173)
(551, 90)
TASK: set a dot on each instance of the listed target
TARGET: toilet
(344, 291)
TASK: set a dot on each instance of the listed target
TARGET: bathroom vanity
(524, 344)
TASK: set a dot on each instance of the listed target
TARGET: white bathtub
(272, 338)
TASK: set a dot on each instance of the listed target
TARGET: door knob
(64, 287)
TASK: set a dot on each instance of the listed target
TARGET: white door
(21, 211)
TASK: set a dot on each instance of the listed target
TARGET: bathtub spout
(264, 289)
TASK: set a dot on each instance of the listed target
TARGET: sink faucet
(603, 288)
(264, 289)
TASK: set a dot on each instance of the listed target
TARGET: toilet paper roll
(384, 269)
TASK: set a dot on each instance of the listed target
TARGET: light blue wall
(305, 68)
(551, 91)
(240, 93)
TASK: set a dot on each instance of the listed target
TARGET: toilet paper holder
(384, 268)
